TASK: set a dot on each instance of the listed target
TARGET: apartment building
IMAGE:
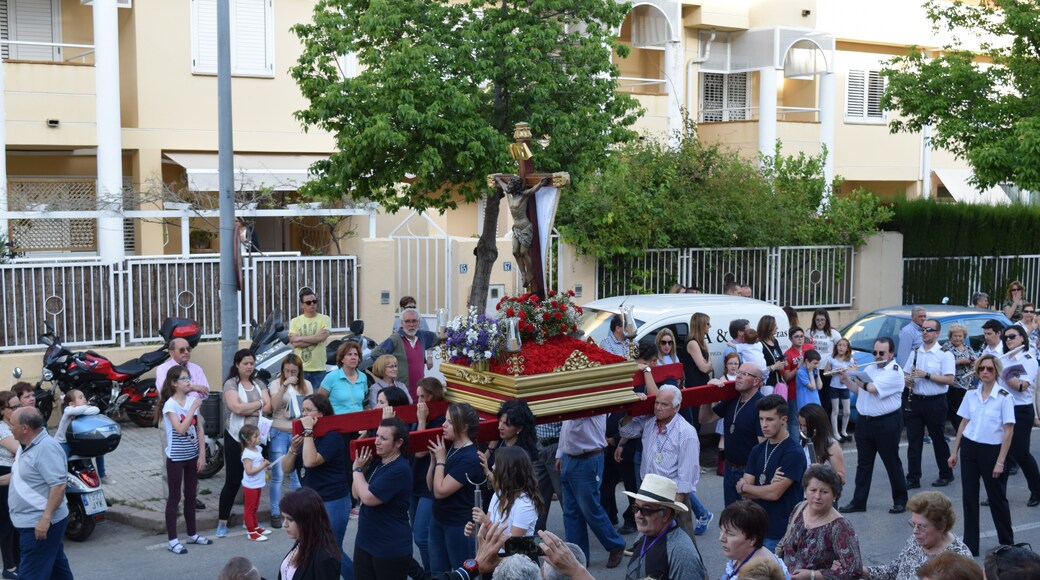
(748, 71)
(802, 71)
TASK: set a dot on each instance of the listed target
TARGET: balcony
(742, 136)
(38, 93)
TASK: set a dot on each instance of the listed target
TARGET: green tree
(442, 87)
(981, 98)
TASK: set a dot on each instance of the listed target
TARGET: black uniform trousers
(926, 413)
(1019, 451)
(879, 436)
(977, 461)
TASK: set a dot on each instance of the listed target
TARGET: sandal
(201, 540)
(177, 548)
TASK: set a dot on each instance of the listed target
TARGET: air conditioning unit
(119, 3)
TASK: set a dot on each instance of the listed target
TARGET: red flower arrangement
(555, 316)
(543, 358)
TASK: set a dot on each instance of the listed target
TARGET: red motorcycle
(109, 387)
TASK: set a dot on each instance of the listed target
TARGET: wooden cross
(519, 190)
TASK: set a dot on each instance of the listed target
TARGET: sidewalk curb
(155, 522)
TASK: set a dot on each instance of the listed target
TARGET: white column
(4, 229)
(109, 138)
(673, 65)
(767, 110)
(828, 106)
(926, 162)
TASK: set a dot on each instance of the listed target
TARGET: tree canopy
(702, 195)
(981, 99)
(441, 86)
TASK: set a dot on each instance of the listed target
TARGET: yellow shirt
(313, 356)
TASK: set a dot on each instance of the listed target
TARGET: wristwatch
(471, 567)
(928, 376)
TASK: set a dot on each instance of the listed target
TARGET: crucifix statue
(531, 221)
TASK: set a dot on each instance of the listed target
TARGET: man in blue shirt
(773, 477)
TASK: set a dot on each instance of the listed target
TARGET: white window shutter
(5, 31)
(875, 88)
(33, 21)
(736, 96)
(204, 36)
(855, 95)
(712, 87)
(251, 38)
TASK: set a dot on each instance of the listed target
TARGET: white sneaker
(108, 480)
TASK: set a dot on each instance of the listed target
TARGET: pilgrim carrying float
(529, 350)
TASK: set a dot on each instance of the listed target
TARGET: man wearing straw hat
(664, 551)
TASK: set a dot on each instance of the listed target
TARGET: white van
(656, 311)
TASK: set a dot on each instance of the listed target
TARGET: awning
(252, 171)
(957, 182)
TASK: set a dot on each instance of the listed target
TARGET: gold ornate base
(547, 394)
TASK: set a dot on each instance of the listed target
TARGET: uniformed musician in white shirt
(930, 371)
(984, 438)
(992, 330)
(879, 428)
(1021, 387)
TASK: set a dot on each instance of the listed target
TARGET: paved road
(136, 554)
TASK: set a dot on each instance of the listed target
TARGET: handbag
(779, 551)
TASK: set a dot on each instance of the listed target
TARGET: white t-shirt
(523, 515)
(179, 447)
(253, 481)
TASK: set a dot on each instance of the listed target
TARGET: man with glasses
(409, 346)
(180, 355)
(407, 302)
(739, 425)
(1018, 378)
(879, 427)
(930, 372)
(307, 334)
(663, 551)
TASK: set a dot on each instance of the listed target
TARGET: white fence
(798, 276)
(91, 303)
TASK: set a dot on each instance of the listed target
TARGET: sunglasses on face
(1012, 336)
(667, 342)
(647, 510)
(1028, 311)
(988, 369)
(929, 329)
(880, 352)
(310, 302)
(184, 349)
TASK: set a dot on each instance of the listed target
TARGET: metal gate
(424, 263)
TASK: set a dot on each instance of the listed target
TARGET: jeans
(280, 442)
(177, 472)
(339, 516)
(582, 510)
(730, 476)
(449, 546)
(314, 378)
(44, 558)
(421, 513)
(699, 511)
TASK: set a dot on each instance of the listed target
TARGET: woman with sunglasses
(665, 341)
(1018, 379)
(987, 423)
(1016, 299)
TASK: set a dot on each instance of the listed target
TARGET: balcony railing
(56, 48)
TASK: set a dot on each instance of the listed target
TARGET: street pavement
(139, 550)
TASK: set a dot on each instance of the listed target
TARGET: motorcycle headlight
(47, 374)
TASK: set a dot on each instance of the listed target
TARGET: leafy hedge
(700, 195)
(933, 229)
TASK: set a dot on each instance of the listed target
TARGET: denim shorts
(842, 394)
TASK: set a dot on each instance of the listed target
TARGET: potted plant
(199, 239)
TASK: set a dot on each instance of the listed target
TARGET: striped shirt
(667, 450)
(179, 447)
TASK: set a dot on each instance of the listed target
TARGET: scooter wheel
(142, 417)
(81, 526)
